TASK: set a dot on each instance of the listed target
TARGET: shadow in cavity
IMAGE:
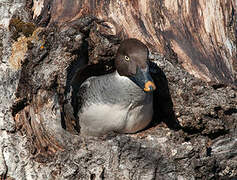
(68, 117)
(162, 102)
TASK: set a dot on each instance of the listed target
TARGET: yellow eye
(127, 58)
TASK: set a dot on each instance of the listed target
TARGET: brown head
(131, 61)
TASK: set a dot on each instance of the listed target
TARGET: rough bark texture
(37, 64)
(201, 33)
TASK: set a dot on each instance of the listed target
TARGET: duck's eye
(127, 58)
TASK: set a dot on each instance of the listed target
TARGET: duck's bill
(143, 79)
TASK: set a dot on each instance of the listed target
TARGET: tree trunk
(43, 43)
(201, 33)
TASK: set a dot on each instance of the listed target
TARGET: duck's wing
(75, 92)
(162, 102)
(81, 74)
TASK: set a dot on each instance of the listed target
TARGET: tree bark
(43, 43)
(202, 34)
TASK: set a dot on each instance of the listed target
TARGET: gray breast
(113, 103)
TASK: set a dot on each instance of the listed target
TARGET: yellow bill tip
(149, 86)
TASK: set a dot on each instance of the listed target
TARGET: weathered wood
(201, 33)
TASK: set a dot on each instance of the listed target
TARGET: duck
(120, 101)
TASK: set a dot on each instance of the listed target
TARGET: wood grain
(201, 33)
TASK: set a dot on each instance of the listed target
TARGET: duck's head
(131, 61)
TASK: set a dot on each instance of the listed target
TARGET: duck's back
(113, 103)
